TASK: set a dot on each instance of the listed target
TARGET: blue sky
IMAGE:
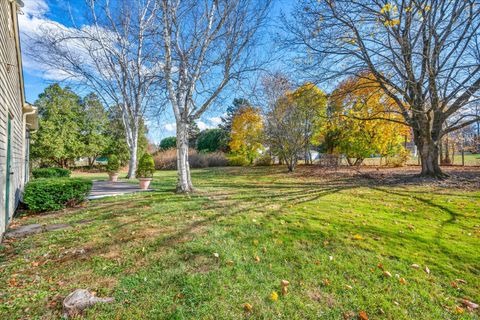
(37, 12)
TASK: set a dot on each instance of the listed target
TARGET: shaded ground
(168, 256)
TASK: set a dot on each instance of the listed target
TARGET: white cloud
(202, 125)
(215, 120)
(170, 127)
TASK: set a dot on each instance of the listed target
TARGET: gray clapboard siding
(11, 105)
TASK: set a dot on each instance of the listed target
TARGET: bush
(210, 140)
(167, 160)
(237, 160)
(146, 166)
(55, 194)
(113, 164)
(264, 160)
(399, 160)
(168, 143)
(216, 159)
(51, 173)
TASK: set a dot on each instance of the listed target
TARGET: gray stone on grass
(79, 300)
(23, 231)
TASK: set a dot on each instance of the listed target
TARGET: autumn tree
(311, 104)
(284, 130)
(363, 121)
(424, 55)
(226, 125)
(246, 134)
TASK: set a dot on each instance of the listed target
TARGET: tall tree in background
(207, 45)
(425, 56)
(93, 128)
(117, 143)
(284, 130)
(246, 134)
(354, 125)
(311, 103)
(113, 55)
(60, 117)
(226, 125)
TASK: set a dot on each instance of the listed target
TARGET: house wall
(11, 103)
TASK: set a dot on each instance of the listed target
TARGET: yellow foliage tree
(246, 134)
(363, 121)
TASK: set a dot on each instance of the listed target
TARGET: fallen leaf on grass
(284, 283)
(469, 304)
(257, 259)
(427, 270)
(402, 280)
(348, 287)
(380, 266)
(274, 296)
(362, 315)
(230, 262)
(357, 237)
(387, 274)
(216, 255)
(247, 307)
(454, 284)
(326, 282)
(415, 266)
(461, 281)
(459, 310)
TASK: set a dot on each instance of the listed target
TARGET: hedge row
(55, 193)
(50, 173)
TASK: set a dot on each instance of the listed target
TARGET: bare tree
(113, 54)
(284, 120)
(424, 54)
(207, 45)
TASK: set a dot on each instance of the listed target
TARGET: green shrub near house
(55, 193)
(51, 173)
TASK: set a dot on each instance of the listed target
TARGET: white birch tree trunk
(184, 181)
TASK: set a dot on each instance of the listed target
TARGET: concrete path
(101, 189)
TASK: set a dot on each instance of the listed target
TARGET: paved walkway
(101, 189)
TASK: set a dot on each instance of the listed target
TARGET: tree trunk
(184, 181)
(132, 163)
(428, 151)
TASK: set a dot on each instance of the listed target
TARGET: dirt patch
(199, 263)
(321, 297)
(459, 177)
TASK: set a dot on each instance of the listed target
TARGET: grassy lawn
(328, 234)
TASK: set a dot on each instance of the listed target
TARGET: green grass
(154, 252)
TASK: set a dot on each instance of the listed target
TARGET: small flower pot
(144, 183)
(113, 176)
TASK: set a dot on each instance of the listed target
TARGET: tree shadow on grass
(452, 215)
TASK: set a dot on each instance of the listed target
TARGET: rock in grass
(79, 300)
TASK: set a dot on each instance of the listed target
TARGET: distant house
(17, 118)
